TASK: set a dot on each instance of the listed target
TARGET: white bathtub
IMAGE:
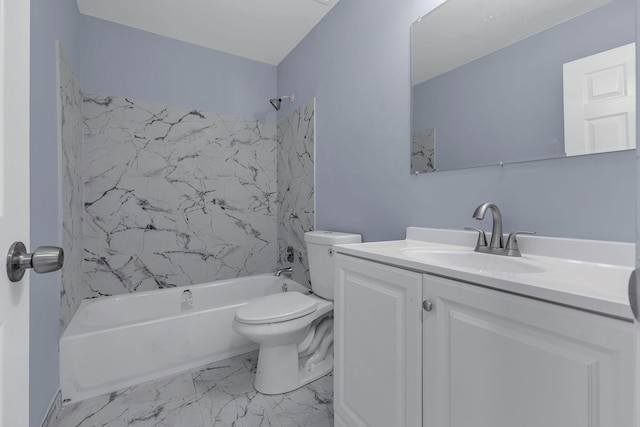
(119, 341)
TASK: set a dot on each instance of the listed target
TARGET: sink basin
(474, 260)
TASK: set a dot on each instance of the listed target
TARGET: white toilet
(294, 330)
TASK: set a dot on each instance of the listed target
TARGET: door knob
(43, 260)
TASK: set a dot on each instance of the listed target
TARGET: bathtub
(119, 341)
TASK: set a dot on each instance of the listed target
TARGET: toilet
(295, 330)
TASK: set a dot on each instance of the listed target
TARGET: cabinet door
(493, 359)
(378, 345)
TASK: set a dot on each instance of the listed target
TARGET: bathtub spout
(287, 271)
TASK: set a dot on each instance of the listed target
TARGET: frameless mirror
(503, 81)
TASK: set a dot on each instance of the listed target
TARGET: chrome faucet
(496, 230)
(287, 271)
(496, 246)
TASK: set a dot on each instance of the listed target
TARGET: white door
(14, 209)
(600, 102)
(637, 278)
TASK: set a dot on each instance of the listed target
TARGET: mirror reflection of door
(600, 102)
(488, 77)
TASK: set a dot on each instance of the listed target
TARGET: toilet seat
(278, 307)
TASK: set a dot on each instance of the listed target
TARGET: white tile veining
(70, 146)
(175, 196)
(296, 201)
(423, 151)
(220, 394)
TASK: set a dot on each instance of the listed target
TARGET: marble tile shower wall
(174, 196)
(423, 151)
(296, 207)
(70, 146)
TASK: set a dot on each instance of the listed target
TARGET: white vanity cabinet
(478, 358)
(377, 345)
(494, 359)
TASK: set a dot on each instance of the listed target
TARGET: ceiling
(262, 30)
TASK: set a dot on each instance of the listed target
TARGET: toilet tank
(321, 258)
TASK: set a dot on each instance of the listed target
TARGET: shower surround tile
(296, 201)
(175, 196)
(71, 192)
(423, 151)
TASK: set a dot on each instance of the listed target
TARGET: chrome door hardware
(634, 296)
(427, 305)
(43, 260)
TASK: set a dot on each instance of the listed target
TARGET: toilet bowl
(295, 330)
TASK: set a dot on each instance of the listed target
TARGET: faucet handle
(482, 237)
(512, 248)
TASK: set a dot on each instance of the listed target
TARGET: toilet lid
(278, 307)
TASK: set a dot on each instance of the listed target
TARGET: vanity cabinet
(473, 356)
(494, 359)
(377, 345)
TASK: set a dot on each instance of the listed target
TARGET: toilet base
(280, 371)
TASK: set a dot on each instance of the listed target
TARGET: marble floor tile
(176, 412)
(172, 387)
(220, 409)
(309, 406)
(251, 361)
(220, 394)
(109, 410)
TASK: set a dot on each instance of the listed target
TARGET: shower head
(277, 102)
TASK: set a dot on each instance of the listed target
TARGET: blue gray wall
(123, 61)
(51, 20)
(523, 84)
(356, 63)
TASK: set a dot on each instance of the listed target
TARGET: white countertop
(586, 274)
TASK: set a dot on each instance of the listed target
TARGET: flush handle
(45, 259)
